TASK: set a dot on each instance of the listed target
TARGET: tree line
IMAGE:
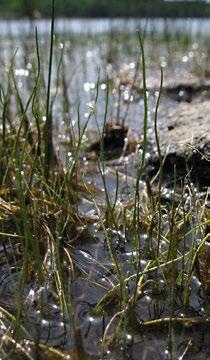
(105, 8)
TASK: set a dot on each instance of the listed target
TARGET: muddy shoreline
(183, 136)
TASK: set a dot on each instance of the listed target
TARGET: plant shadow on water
(97, 260)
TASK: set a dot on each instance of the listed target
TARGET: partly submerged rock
(117, 141)
(184, 140)
(186, 92)
(187, 89)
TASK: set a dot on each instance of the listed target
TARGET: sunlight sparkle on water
(163, 62)
(90, 53)
(91, 319)
(44, 322)
(21, 72)
(89, 86)
(131, 253)
(103, 86)
(91, 105)
(126, 95)
(185, 59)
(167, 354)
(196, 280)
(29, 66)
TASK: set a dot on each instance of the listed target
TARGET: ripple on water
(42, 314)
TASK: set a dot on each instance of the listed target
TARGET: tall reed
(48, 131)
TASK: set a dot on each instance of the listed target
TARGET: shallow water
(95, 26)
(92, 49)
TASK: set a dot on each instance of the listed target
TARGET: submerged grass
(40, 203)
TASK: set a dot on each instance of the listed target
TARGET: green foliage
(107, 8)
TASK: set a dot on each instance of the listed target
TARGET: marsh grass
(39, 209)
(49, 120)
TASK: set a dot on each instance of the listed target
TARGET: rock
(185, 140)
(171, 81)
(186, 90)
(113, 141)
(118, 141)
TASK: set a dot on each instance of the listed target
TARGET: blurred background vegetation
(106, 8)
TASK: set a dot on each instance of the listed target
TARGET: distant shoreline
(8, 17)
(106, 9)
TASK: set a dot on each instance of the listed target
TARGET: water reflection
(81, 26)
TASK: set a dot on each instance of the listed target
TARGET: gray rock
(185, 141)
